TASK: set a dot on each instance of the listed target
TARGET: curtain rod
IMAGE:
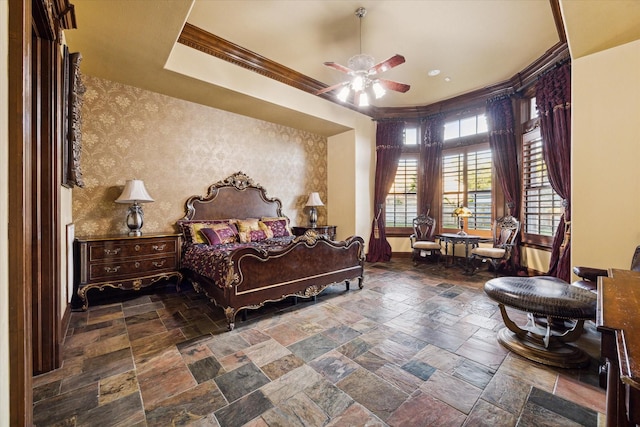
(410, 119)
(555, 66)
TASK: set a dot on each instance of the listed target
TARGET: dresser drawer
(126, 249)
(132, 267)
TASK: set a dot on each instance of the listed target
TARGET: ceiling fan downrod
(361, 12)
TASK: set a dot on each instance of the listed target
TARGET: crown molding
(225, 50)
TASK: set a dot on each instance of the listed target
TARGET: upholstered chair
(423, 244)
(505, 231)
(589, 275)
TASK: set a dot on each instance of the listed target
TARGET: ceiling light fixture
(362, 69)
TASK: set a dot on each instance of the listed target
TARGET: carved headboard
(234, 197)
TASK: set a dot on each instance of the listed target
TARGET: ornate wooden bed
(246, 276)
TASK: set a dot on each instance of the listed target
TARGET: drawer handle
(159, 263)
(137, 264)
(115, 251)
(136, 247)
(112, 269)
(159, 247)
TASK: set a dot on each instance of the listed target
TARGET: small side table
(468, 240)
(123, 262)
(327, 230)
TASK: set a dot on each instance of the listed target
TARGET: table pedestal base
(557, 354)
(542, 344)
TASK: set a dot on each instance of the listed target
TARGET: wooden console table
(619, 323)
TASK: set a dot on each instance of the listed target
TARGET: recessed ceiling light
(447, 79)
(433, 73)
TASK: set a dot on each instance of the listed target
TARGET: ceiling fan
(363, 70)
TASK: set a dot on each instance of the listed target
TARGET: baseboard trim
(64, 323)
(401, 254)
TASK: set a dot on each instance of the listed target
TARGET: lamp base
(461, 225)
(313, 216)
(135, 220)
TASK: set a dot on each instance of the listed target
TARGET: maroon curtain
(504, 152)
(553, 98)
(389, 141)
(430, 162)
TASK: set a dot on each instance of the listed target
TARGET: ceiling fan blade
(396, 86)
(387, 64)
(339, 67)
(330, 88)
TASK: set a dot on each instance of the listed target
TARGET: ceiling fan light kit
(362, 68)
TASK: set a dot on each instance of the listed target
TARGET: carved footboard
(304, 268)
(250, 276)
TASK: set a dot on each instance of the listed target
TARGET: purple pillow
(192, 228)
(279, 226)
(257, 235)
(220, 234)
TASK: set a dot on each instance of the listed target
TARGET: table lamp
(134, 192)
(312, 202)
(462, 212)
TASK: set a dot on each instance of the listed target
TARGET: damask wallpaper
(178, 149)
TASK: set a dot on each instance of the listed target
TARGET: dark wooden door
(36, 132)
(46, 136)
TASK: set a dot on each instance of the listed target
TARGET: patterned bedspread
(211, 260)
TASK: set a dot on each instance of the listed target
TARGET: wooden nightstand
(123, 262)
(328, 230)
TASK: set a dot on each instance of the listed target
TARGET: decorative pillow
(249, 224)
(279, 226)
(219, 234)
(191, 229)
(266, 230)
(253, 236)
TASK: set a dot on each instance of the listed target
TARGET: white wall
(66, 217)
(400, 244)
(606, 157)
(351, 168)
(66, 273)
(536, 260)
(341, 154)
(365, 170)
(4, 217)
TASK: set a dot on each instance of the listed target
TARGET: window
(533, 109)
(542, 207)
(467, 126)
(467, 181)
(402, 201)
(401, 205)
(467, 178)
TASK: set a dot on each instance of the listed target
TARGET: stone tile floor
(416, 347)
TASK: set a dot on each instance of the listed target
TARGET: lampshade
(462, 212)
(314, 200)
(133, 192)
